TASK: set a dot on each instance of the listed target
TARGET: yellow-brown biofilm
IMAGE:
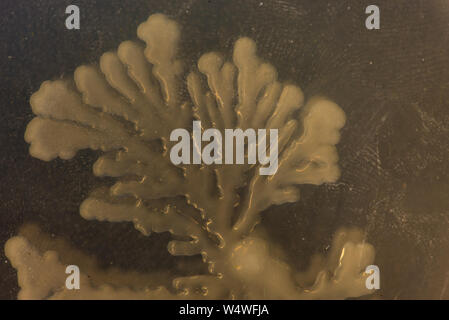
(134, 100)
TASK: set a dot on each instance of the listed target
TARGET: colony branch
(213, 153)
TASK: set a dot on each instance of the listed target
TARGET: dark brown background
(392, 83)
